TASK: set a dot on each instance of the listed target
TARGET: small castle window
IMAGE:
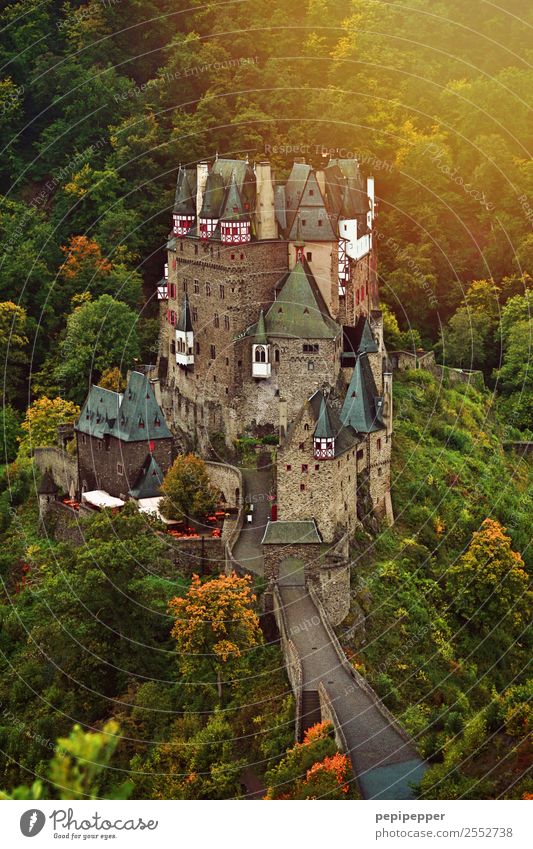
(310, 365)
(319, 222)
(197, 347)
(141, 423)
(226, 322)
(306, 426)
(360, 454)
(260, 354)
(120, 469)
(305, 468)
(301, 446)
(379, 471)
(288, 467)
(222, 292)
(151, 446)
(158, 422)
(378, 444)
(309, 256)
(304, 222)
(196, 287)
(311, 192)
(216, 320)
(276, 355)
(213, 352)
(302, 487)
(208, 289)
(317, 467)
(194, 314)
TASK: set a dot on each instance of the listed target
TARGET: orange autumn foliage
(336, 766)
(215, 623)
(82, 251)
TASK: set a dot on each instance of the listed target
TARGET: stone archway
(292, 572)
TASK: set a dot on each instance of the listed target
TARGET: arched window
(260, 354)
(276, 355)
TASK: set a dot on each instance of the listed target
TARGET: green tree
(79, 768)
(488, 585)
(100, 334)
(42, 420)
(13, 345)
(10, 433)
(187, 491)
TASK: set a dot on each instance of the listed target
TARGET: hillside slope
(456, 681)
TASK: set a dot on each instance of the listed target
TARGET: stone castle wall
(114, 465)
(63, 466)
(329, 486)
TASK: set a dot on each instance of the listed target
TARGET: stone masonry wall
(274, 555)
(115, 468)
(334, 590)
(227, 286)
(63, 466)
(329, 486)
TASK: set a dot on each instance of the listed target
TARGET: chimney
(265, 216)
(156, 387)
(202, 172)
(282, 419)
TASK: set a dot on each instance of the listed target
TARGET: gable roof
(312, 216)
(299, 311)
(304, 532)
(132, 417)
(362, 404)
(149, 480)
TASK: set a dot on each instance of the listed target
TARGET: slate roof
(358, 340)
(312, 217)
(299, 311)
(362, 404)
(260, 336)
(291, 533)
(330, 424)
(233, 209)
(132, 417)
(184, 323)
(324, 428)
(149, 480)
(185, 197)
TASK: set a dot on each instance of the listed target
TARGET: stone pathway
(247, 549)
(383, 761)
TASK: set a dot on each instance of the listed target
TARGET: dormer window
(157, 422)
(141, 423)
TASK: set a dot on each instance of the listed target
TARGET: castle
(270, 322)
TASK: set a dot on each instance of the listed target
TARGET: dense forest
(100, 102)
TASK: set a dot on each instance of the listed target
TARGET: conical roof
(362, 404)
(324, 428)
(233, 206)
(260, 336)
(184, 323)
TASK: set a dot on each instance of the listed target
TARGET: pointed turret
(235, 220)
(184, 335)
(324, 435)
